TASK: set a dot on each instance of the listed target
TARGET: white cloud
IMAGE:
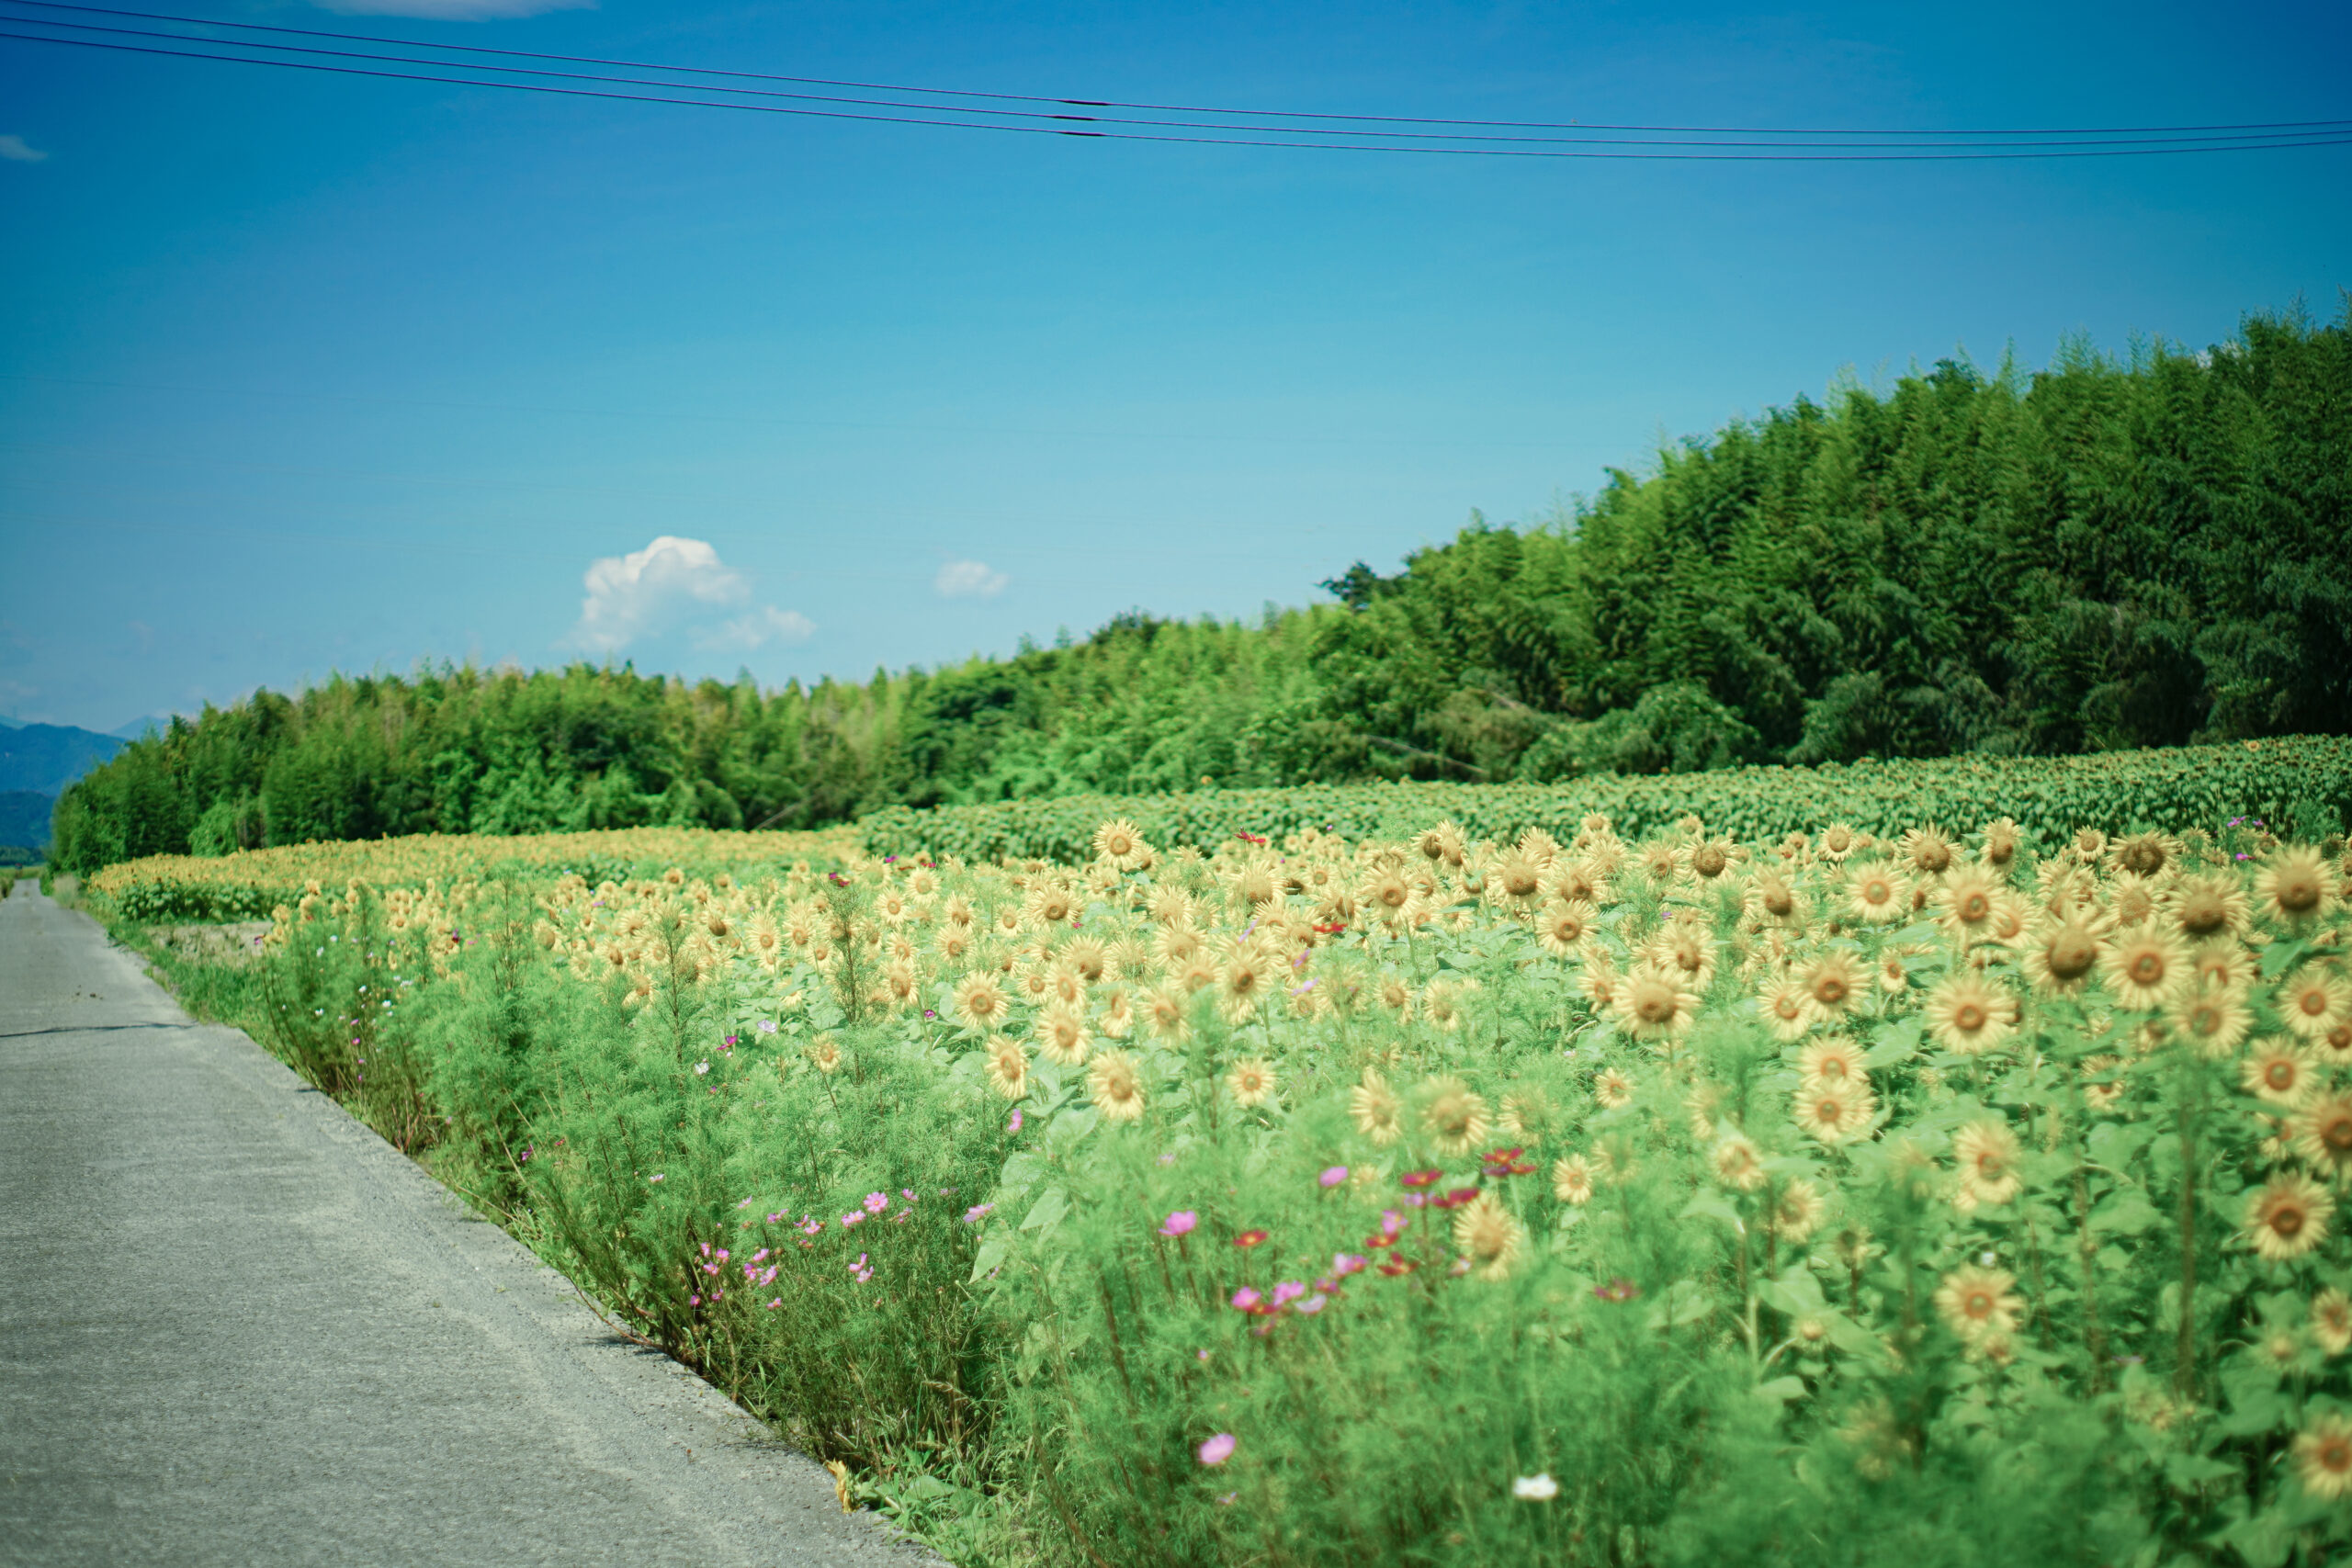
(649, 592)
(643, 592)
(969, 580)
(766, 624)
(13, 149)
(452, 10)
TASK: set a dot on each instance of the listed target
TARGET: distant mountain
(45, 758)
(23, 819)
(140, 728)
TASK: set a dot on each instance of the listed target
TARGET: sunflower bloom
(1008, 1068)
(1377, 1109)
(1970, 1015)
(981, 1003)
(1834, 982)
(2145, 968)
(1650, 1006)
(2280, 1071)
(1738, 1162)
(2313, 1001)
(1790, 1008)
(1063, 1035)
(1167, 1013)
(1454, 1116)
(1979, 1304)
(2287, 1216)
(2332, 1321)
(1878, 893)
(2323, 1134)
(2213, 1021)
(1834, 1109)
(1489, 1235)
(1115, 1087)
(1832, 1061)
(1121, 843)
(1797, 1211)
(1251, 1081)
(2322, 1454)
(1987, 1154)
(1571, 1179)
(2294, 887)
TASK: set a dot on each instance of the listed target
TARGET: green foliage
(2303, 781)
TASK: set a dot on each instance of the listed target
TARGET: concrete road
(236, 1327)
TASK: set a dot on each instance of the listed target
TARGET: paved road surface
(238, 1328)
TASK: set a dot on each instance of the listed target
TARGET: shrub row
(2301, 784)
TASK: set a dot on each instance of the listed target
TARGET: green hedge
(2301, 785)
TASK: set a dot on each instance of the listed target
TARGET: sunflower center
(2335, 1134)
(2313, 1003)
(2280, 1075)
(1969, 1016)
(2202, 913)
(1975, 907)
(1710, 861)
(2287, 1220)
(1977, 1305)
(2072, 954)
(2298, 893)
(1829, 989)
(1778, 902)
(2147, 967)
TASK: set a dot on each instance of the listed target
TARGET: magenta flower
(853, 1217)
(1334, 1176)
(1218, 1450)
(877, 1201)
(1287, 1292)
(977, 1212)
(1247, 1298)
(1313, 1303)
(1182, 1221)
(1346, 1263)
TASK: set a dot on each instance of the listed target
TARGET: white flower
(1538, 1488)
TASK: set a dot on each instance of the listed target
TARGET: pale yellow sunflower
(1379, 1110)
(2287, 1216)
(1969, 1014)
(1987, 1152)
(1489, 1235)
(2144, 967)
(2280, 1070)
(1978, 1303)
(2322, 1454)
(2323, 1134)
(1453, 1115)
(1115, 1085)
(1251, 1082)
(1571, 1179)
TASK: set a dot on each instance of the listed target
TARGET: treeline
(2095, 556)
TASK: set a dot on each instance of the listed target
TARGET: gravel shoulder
(237, 1327)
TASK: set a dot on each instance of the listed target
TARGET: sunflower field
(1663, 1194)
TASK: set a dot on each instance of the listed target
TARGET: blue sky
(302, 373)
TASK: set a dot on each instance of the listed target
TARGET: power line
(2136, 132)
(408, 68)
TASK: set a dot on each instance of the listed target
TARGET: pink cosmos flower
(1334, 1176)
(1287, 1292)
(1247, 1298)
(1178, 1223)
(1218, 1450)
(877, 1201)
(1313, 1303)
(1346, 1263)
